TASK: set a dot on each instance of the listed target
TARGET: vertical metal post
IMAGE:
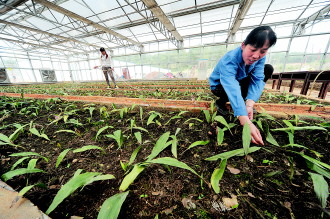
(28, 55)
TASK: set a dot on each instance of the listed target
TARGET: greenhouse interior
(164, 109)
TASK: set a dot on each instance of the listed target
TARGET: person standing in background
(106, 63)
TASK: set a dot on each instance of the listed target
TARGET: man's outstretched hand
(256, 137)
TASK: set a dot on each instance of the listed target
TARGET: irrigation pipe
(314, 82)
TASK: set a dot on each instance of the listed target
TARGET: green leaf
(20, 128)
(18, 162)
(129, 178)
(198, 143)
(61, 157)
(134, 154)
(217, 176)
(229, 154)
(25, 190)
(271, 139)
(17, 172)
(32, 163)
(318, 169)
(220, 135)
(174, 147)
(101, 130)
(23, 154)
(138, 137)
(78, 180)
(151, 118)
(246, 136)
(295, 128)
(314, 161)
(118, 136)
(88, 147)
(207, 116)
(321, 188)
(111, 207)
(141, 129)
(160, 145)
(173, 162)
(68, 131)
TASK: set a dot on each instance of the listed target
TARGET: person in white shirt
(105, 63)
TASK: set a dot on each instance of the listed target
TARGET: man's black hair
(102, 49)
(258, 36)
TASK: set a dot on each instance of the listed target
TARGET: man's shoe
(108, 87)
(116, 87)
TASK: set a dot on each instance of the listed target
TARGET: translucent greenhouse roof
(137, 26)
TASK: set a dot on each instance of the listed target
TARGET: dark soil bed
(273, 182)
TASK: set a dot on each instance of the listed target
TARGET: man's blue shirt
(230, 70)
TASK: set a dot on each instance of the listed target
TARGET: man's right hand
(256, 137)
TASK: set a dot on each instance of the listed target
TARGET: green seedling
(227, 125)
(220, 135)
(153, 118)
(138, 137)
(218, 172)
(174, 147)
(176, 117)
(91, 110)
(111, 207)
(61, 157)
(208, 117)
(39, 134)
(291, 129)
(160, 145)
(69, 131)
(104, 112)
(118, 136)
(246, 137)
(124, 165)
(196, 143)
(17, 172)
(78, 180)
(138, 168)
(321, 188)
(101, 130)
(87, 148)
(28, 154)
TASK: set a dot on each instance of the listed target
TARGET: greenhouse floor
(277, 110)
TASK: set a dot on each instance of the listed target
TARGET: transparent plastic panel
(298, 45)
(171, 6)
(311, 62)
(317, 44)
(326, 62)
(293, 63)
(277, 60)
(10, 62)
(282, 30)
(40, 23)
(24, 63)
(281, 45)
(36, 64)
(47, 65)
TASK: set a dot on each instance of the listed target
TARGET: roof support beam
(118, 38)
(157, 18)
(6, 7)
(243, 8)
(35, 45)
(158, 12)
(300, 28)
(46, 33)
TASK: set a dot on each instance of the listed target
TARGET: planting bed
(170, 156)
